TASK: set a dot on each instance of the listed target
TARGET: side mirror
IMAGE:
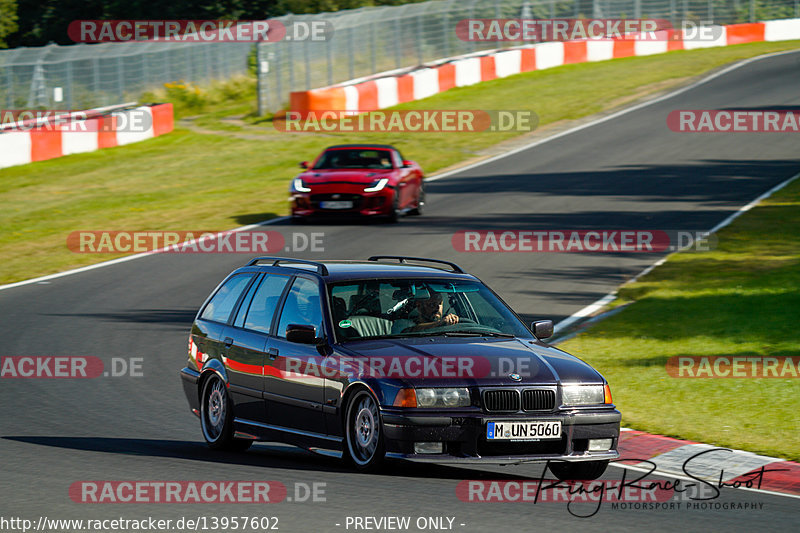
(543, 329)
(304, 164)
(301, 334)
(407, 163)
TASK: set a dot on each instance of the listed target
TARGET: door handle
(273, 353)
(228, 342)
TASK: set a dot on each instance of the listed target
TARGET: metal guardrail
(364, 41)
(377, 39)
(67, 116)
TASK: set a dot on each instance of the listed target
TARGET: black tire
(216, 417)
(420, 202)
(364, 446)
(394, 214)
(298, 221)
(584, 470)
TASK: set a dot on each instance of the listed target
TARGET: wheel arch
(213, 367)
(352, 389)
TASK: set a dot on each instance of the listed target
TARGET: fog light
(599, 445)
(428, 447)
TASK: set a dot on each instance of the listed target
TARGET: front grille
(538, 400)
(355, 198)
(501, 400)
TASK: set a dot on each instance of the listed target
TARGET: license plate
(523, 430)
(336, 204)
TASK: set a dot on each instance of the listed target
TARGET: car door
(293, 388)
(246, 341)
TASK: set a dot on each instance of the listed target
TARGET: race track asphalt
(630, 172)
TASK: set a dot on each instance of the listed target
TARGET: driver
(430, 314)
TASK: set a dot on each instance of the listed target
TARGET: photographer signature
(676, 486)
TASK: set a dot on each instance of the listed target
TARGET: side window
(240, 314)
(221, 305)
(265, 303)
(302, 306)
(398, 159)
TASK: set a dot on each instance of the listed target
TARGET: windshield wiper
(476, 334)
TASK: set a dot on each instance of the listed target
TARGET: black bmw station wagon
(393, 357)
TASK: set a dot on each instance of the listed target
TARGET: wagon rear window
(220, 307)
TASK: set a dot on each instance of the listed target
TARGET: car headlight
(451, 397)
(426, 397)
(299, 186)
(443, 397)
(378, 185)
(582, 394)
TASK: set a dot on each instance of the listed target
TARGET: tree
(318, 6)
(8, 20)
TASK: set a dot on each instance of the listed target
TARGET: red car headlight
(299, 186)
(377, 185)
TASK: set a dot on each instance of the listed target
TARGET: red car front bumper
(342, 199)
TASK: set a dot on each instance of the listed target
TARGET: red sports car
(358, 179)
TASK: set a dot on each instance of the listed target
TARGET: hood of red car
(344, 175)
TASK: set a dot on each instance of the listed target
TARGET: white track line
(602, 302)
(608, 298)
(132, 257)
(442, 175)
(686, 478)
(613, 115)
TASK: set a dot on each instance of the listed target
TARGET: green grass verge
(740, 299)
(199, 181)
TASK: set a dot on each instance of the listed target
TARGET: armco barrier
(388, 89)
(21, 147)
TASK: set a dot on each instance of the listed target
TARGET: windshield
(355, 158)
(414, 308)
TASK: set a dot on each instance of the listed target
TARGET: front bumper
(464, 437)
(377, 203)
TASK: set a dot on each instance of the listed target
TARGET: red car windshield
(355, 158)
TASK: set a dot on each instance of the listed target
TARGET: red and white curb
(713, 464)
(20, 147)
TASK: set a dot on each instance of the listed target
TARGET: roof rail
(322, 270)
(403, 259)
